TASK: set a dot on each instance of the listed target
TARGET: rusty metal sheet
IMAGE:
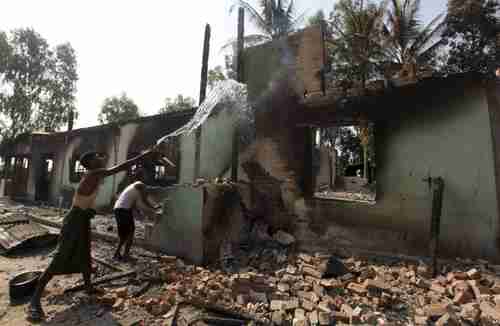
(12, 218)
(28, 234)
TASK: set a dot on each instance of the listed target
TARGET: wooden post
(239, 77)
(203, 93)
(437, 205)
(308, 163)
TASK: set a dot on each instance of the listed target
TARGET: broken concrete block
(470, 312)
(284, 238)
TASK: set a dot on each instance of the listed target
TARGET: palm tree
(406, 43)
(356, 33)
(273, 18)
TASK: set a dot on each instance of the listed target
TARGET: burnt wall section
(444, 133)
(64, 149)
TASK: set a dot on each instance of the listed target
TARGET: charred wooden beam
(239, 78)
(203, 93)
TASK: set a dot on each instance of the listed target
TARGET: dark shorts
(125, 222)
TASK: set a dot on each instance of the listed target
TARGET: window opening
(344, 163)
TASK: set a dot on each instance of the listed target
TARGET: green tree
(37, 83)
(407, 44)
(317, 18)
(118, 109)
(215, 75)
(180, 103)
(356, 51)
(273, 18)
(471, 31)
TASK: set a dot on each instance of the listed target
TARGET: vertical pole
(308, 163)
(239, 78)
(203, 93)
(437, 205)
(71, 119)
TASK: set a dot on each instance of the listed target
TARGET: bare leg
(117, 254)
(128, 244)
(89, 288)
(35, 311)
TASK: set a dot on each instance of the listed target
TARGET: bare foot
(34, 312)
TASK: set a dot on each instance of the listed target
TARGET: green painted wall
(448, 136)
(216, 147)
(179, 231)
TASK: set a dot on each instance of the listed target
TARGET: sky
(150, 49)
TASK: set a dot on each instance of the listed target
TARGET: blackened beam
(203, 93)
(239, 78)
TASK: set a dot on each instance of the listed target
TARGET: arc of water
(224, 89)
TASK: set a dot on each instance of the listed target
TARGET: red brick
(356, 288)
(376, 285)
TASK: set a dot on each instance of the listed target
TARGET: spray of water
(226, 95)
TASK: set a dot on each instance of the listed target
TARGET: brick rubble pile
(299, 289)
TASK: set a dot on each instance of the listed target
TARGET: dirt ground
(63, 309)
(60, 309)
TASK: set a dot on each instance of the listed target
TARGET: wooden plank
(102, 280)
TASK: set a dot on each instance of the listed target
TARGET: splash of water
(226, 95)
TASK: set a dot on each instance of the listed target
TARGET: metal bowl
(23, 285)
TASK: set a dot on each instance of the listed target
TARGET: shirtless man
(73, 251)
(134, 196)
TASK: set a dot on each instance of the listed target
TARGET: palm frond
(429, 33)
(254, 15)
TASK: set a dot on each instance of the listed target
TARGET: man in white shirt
(134, 196)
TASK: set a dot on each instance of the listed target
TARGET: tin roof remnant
(17, 231)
